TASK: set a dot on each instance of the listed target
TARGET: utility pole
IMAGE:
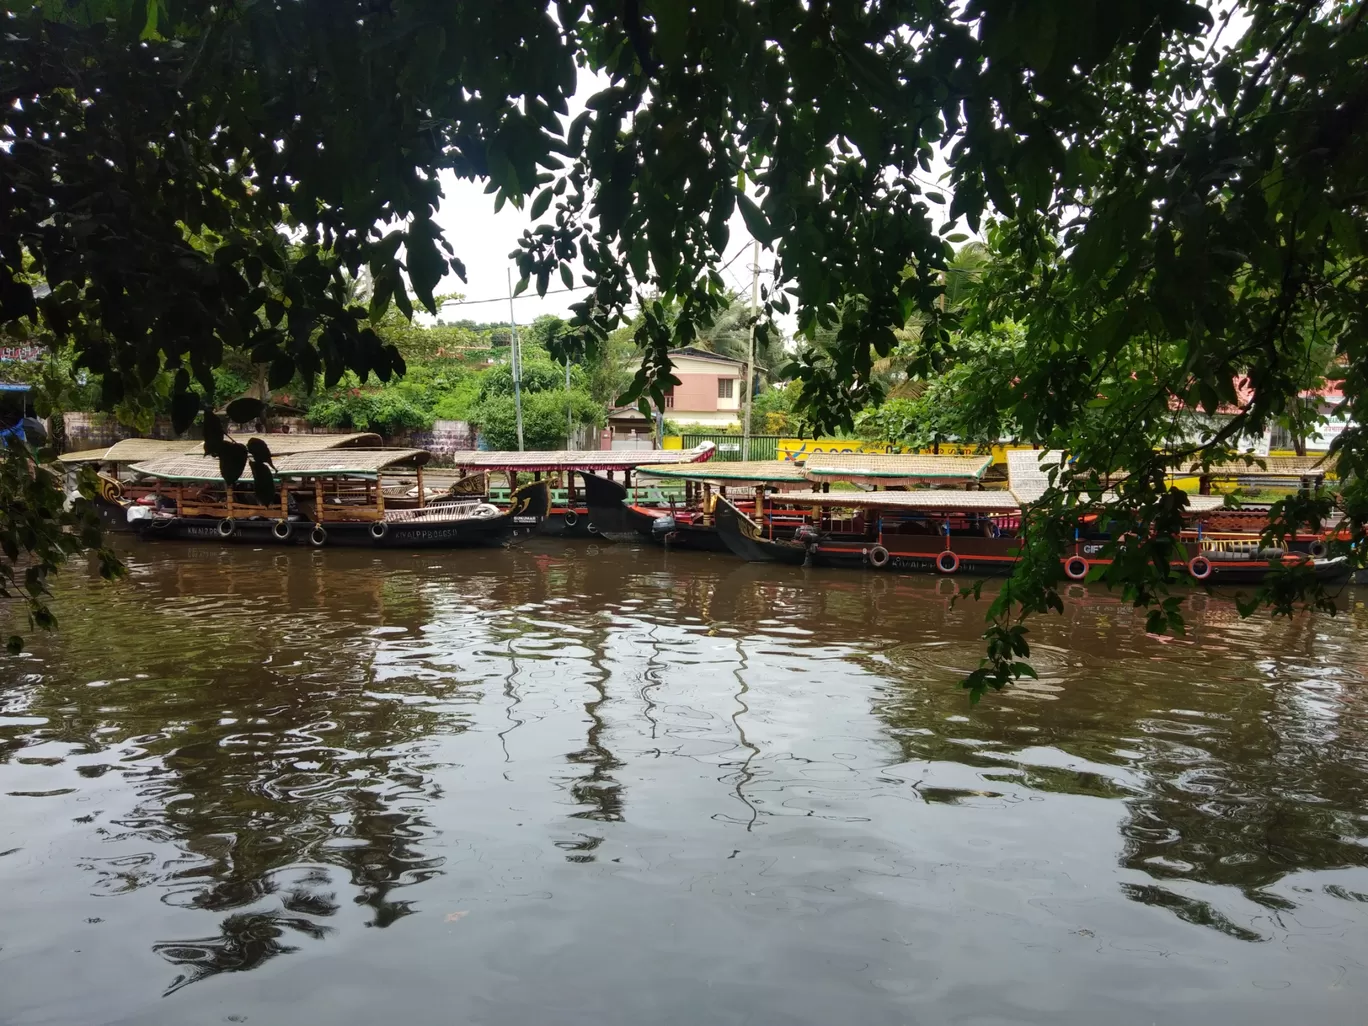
(750, 353)
(515, 360)
(569, 409)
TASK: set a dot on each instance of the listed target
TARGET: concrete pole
(750, 354)
(515, 360)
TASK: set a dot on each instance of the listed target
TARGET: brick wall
(97, 430)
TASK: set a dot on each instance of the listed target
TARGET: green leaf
(756, 221)
(425, 264)
(259, 451)
(281, 372)
(213, 434)
(639, 257)
(1226, 81)
(567, 275)
(540, 204)
(149, 29)
(232, 460)
(245, 409)
(185, 407)
(263, 481)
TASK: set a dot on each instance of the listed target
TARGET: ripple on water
(639, 772)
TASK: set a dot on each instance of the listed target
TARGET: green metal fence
(762, 447)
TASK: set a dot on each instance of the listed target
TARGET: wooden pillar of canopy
(707, 502)
(284, 500)
(379, 496)
(318, 500)
(231, 489)
(1204, 485)
(422, 496)
(180, 498)
(760, 505)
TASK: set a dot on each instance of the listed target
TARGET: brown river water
(575, 784)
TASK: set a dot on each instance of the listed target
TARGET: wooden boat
(570, 515)
(324, 499)
(691, 522)
(117, 485)
(622, 515)
(971, 532)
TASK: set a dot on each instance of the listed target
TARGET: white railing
(443, 512)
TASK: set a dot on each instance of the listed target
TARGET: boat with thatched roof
(690, 522)
(117, 486)
(325, 498)
(570, 512)
(979, 532)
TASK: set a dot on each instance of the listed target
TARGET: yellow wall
(798, 448)
(672, 442)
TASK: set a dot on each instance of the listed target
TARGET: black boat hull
(614, 518)
(568, 523)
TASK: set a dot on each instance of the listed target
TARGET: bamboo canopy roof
(1205, 503)
(131, 450)
(919, 499)
(1267, 466)
(1027, 472)
(137, 450)
(738, 472)
(886, 469)
(581, 459)
(329, 463)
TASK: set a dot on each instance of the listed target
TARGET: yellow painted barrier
(793, 449)
(672, 442)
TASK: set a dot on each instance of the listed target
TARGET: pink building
(710, 391)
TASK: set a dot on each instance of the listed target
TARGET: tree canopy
(1176, 193)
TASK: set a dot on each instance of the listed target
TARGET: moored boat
(571, 514)
(974, 532)
(690, 522)
(117, 487)
(325, 499)
(686, 521)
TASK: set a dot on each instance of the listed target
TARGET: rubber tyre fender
(878, 557)
(947, 562)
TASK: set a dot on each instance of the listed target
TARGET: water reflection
(281, 750)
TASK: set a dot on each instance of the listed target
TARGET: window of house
(725, 387)
(669, 397)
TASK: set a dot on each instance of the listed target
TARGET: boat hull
(529, 508)
(611, 516)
